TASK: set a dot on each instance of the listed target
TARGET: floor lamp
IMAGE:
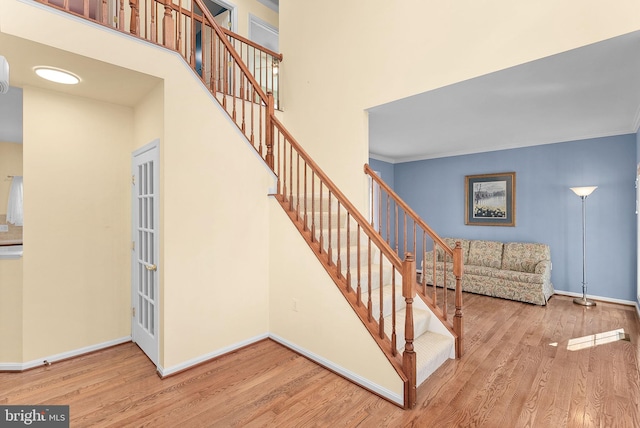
(583, 192)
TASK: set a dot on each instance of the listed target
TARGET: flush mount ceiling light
(57, 75)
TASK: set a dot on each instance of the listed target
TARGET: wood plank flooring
(517, 372)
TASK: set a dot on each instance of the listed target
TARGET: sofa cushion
(479, 270)
(485, 253)
(523, 257)
(451, 242)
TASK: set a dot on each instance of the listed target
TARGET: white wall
(215, 228)
(344, 57)
(77, 214)
(323, 323)
(11, 311)
(214, 208)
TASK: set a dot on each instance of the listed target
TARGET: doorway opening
(225, 16)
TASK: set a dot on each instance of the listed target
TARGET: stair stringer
(322, 326)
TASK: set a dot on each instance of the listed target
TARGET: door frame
(255, 21)
(153, 145)
(232, 8)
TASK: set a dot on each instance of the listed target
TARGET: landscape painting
(490, 199)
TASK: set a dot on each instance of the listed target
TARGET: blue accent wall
(547, 211)
(387, 173)
(385, 169)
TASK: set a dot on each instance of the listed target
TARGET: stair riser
(387, 303)
(364, 278)
(323, 222)
(342, 232)
(353, 255)
(315, 204)
(420, 326)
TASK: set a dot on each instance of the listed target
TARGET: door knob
(151, 267)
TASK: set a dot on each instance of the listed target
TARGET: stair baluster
(429, 249)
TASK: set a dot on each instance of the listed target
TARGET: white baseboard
(206, 357)
(11, 367)
(355, 378)
(638, 310)
(603, 299)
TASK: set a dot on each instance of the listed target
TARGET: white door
(144, 264)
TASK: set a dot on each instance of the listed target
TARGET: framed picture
(490, 199)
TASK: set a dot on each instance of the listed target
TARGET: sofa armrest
(544, 268)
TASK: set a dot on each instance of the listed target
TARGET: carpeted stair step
(352, 234)
(421, 320)
(353, 254)
(315, 203)
(324, 216)
(364, 276)
(432, 350)
(387, 296)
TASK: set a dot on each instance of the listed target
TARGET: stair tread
(432, 350)
(418, 314)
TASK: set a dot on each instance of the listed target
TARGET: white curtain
(15, 211)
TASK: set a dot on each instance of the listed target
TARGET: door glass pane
(145, 179)
(140, 211)
(145, 214)
(151, 318)
(151, 178)
(151, 240)
(145, 316)
(151, 225)
(152, 288)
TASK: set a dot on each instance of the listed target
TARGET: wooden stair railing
(321, 213)
(216, 55)
(302, 185)
(404, 230)
(263, 63)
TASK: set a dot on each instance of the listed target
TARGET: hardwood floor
(517, 372)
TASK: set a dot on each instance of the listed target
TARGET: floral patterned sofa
(513, 270)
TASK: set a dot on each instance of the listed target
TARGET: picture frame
(490, 199)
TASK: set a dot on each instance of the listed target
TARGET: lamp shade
(584, 191)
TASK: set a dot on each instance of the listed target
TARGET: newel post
(409, 355)
(458, 325)
(269, 130)
(134, 23)
(168, 28)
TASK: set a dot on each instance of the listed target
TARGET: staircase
(377, 287)
(373, 265)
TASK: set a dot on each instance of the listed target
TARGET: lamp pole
(584, 192)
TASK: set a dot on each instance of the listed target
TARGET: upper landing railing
(181, 25)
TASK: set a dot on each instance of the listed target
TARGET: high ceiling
(587, 92)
